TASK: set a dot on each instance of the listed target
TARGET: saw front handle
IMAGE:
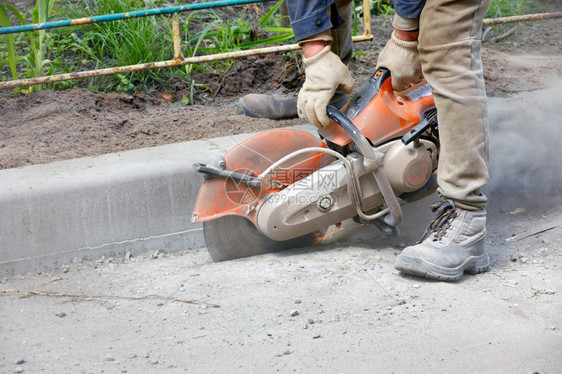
(373, 161)
(210, 171)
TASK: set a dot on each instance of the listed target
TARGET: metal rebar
(156, 65)
(176, 36)
(528, 17)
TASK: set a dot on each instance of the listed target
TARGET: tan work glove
(324, 74)
(403, 60)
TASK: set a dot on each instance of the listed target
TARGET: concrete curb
(85, 208)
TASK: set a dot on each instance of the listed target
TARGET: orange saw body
(283, 188)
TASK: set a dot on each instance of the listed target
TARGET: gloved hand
(324, 74)
(403, 60)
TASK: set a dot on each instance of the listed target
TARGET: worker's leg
(449, 45)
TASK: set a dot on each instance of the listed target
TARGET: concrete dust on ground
(339, 307)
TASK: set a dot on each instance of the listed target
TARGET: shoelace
(438, 227)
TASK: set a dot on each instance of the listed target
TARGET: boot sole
(422, 268)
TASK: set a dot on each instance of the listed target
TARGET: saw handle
(209, 172)
(373, 160)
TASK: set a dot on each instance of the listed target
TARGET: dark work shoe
(278, 106)
(452, 245)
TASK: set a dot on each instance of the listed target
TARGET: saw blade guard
(230, 196)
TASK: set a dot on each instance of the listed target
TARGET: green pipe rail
(127, 15)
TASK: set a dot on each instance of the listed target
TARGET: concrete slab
(133, 201)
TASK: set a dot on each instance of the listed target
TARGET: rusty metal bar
(177, 60)
(157, 65)
(176, 36)
(367, 19)
(528, 17)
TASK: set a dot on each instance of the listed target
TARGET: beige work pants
(343, 44)
(449, 45)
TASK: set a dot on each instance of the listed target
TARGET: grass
(35, 57)
(506, 8)
(118, 43)
(148, 39)
(129, 42)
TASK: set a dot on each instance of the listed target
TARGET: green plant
(382, 8)
(506, 8)
(123, 43)
(35, 56)
(216, 35)
(130, 42)
(10, 44)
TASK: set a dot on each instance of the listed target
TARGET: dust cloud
(526, 144)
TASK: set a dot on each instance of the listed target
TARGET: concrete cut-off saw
(284, 188)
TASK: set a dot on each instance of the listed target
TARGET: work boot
(453, 244)
(278, 106)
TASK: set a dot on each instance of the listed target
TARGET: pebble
(19, 369)
(132, 355)
(20, 360)
(146, 354)
(549, 292)
(154, 362)
(278, 354)
(294, 313)
(128, 255)
(61, 314)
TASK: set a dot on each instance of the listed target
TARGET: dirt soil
(336, 308)
(48, 126)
